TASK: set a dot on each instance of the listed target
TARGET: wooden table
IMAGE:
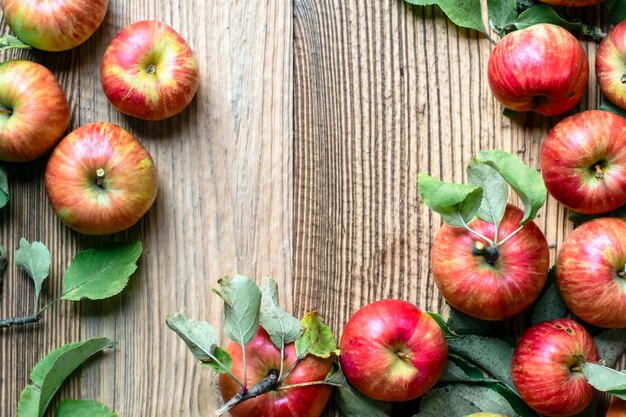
(297, 159)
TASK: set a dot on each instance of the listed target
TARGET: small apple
(149, 71)
(34, 112)
(542, 68)
(617, 408)
(392, 351)
(497, 281)
(583, 162)
(54, 25)
(611, 65)
(547, 367)
(591, 272)
(263, 358)
(572, 3)
(100, 179)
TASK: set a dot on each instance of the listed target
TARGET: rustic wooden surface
(297, 159)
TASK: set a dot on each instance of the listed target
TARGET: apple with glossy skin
(542, 68)
(591, 272)
(54, 25)
(583, 162)
(611, 65)
(392, 351)
(490, 282)
(262, 359)
(100, 179)
(617, 408)
(34, 112)
(547, 367)
(572, 3)
(149, 71)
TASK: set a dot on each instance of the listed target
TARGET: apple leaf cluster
(606, 379)
(11, 42)
(464, 13)
(94, 274)
(50, 373)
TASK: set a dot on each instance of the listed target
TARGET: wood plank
(224, 207)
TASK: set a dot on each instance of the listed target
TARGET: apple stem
(100, 177)
(491, 254)
(18, 321)
(267, 384)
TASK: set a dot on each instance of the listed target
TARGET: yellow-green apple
(547, 367)
(149, 71)
(617, 408)
(572, 3)
(542, 68)
(34, 112)
(392, 351)
(54, 25)
(611, 65)
(100, 179)
(490, 281)
(583, 162)
(591, 272)
(262, 359)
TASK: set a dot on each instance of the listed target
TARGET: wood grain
(224, 207)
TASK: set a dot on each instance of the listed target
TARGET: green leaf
(242, 303)
(495, 191)
(457, 203)
(281, 327)
(352, 403)
(463, 324)
(468, 368)
(4, 186)
(525, 181)
(550, 304)
(611, 345)
(542, 13)
(34, 259)
(82, 408)
(454, 373)
(502, 13)
(463, 13)
(616, 10)
(442, 324)
(101, 272)
(317, 338)
(467, 399)
(201, 339)
(11, 42)
(491, 354)
(51, 371)
(606, 379)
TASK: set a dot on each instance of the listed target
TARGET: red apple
(547, 367)
(262, 358)
(34, 112)
(572, 3)
(392, 351)
(611, 65)
(496, 283)
(591, 272)
(617, 408)
(583, 162)
(54, 25)
(149, 71)
(100, 179)
(541, 68)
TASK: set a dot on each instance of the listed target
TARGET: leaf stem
(516, 231)
(284, 378)
(50, 304)
(244, 387)
(282, 359)
(476, 233)
(19, 321)
(307, 384)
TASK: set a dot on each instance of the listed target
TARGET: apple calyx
(491, 253)
(100, 174)
(623, 79)
(6, 111)
(621, 273)
(599, 168)
(151, 69)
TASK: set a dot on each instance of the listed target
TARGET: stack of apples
(99, 179)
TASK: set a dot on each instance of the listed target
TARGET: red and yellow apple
(611, 65)
(100, 179)
(54, 25)
(617, 408)
(583, 162)
(263, 358)
(547, 367)
(34, 112)
(591, 272)
(496, 283)
(149, 71)
(542, 68)
(392, 351)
